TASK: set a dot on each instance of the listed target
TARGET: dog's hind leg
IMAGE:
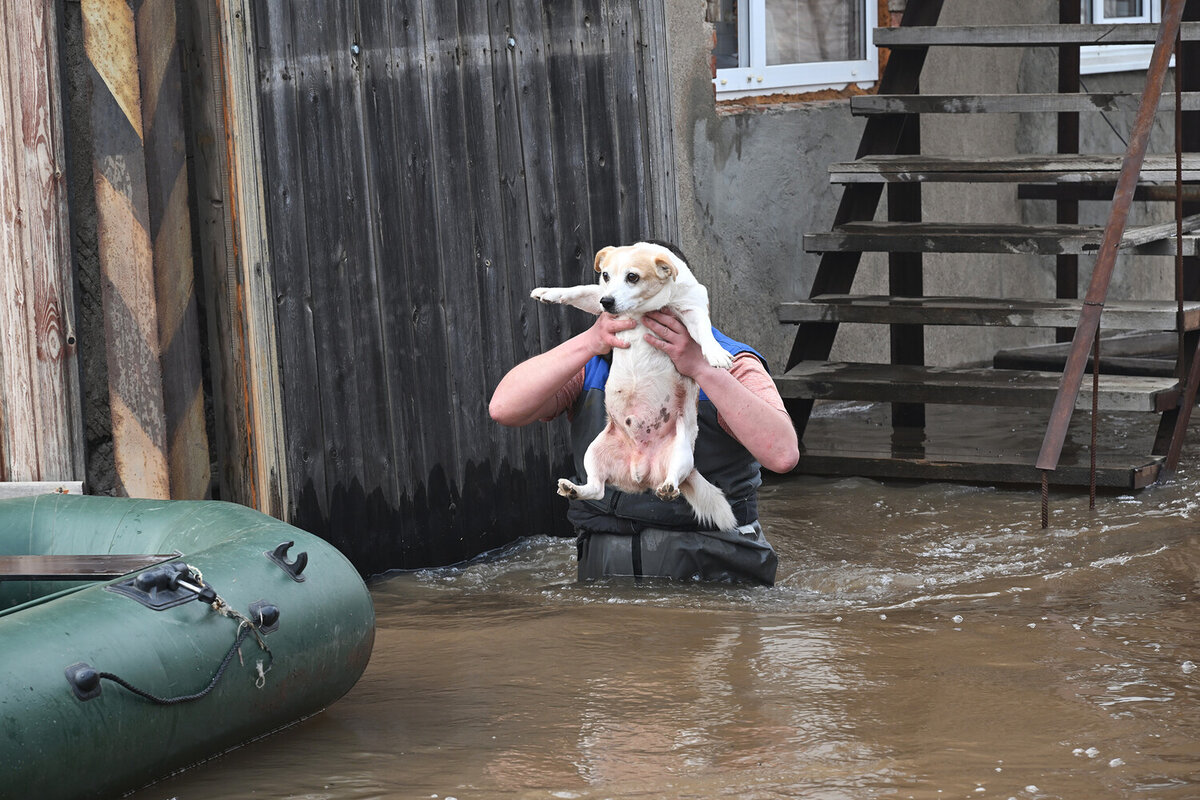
(594, 488)
(679, 464)
(585, 297)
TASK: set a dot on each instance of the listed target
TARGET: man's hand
(669, 334)
(604, 332)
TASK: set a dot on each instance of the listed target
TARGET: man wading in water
(742, 425)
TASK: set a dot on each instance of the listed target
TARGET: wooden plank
(329, 162)
(966, 386)
(1111, 473)
(263, 479)
(41, 430)
(29, 488)
(1142, 353)
(1006, 312)
(1057, 168)
(563, 36)
(1031, 102)
(657, 118)
(1025, 35)
(283, 102)
(1102, 192)
(77, 567)
(976, 237)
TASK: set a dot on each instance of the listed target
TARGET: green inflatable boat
(225, 626)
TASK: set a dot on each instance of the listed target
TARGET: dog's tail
(708, 502)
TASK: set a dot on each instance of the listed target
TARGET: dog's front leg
(699, 325)
(585, 297)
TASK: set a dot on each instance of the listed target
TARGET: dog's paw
(568, 489)
(547, 294)
(716, 355)
(667, 491)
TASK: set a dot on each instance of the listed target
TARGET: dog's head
(637, 278)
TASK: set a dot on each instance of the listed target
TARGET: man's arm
(527, 392)
(764, 429)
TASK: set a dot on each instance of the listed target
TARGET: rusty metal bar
(1093, 305)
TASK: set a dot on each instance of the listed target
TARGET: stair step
(822, 380)
(1026, 35)
(1140, 353)
(1022, 167)
(1111, 472)
(981, 237)
(1013, 312)
(872, 104)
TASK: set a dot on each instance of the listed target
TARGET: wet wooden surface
(982, 387)
(982, 237)
(1022, 167)
(1010, 312)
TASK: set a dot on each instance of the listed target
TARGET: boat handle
(292, 568)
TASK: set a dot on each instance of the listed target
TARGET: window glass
(807, 31)
(1123, 8)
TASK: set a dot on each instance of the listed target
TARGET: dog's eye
(632, 277)
(604, 277)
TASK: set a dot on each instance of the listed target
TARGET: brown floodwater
(924, 641)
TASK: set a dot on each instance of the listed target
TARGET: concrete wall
(751, 183)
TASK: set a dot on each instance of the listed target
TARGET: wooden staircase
(890, 159)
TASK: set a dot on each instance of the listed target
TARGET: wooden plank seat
(1025, 35)
(981, 237)
(77, 567)
(1019, 167)
(1009, 312)
(874, 104)
(822, 380)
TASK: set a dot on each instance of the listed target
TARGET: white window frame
(759, 78)
(1095, 59)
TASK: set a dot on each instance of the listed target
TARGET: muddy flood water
(924, 641)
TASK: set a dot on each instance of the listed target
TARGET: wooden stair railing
(1088, 326)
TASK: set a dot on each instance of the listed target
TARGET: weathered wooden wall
(424, 165)
(41, 433)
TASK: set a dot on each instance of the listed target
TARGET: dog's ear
(603, 254)
(666, 267)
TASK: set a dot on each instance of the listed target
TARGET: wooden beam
(1111, 473)
(9, 489)
(1032, 102)
(1006, 312)
(41, 429)
(77, 567)
(1025, 35)
(235, 255)
(1059, 168)
(978, 237)
(974, 386)
(143, 222)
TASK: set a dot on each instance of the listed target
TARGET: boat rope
(246, 626)
(185, 698)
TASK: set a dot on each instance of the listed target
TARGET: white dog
(651, 432)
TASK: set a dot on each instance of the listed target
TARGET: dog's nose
(609, 303)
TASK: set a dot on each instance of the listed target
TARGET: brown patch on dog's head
(666, 267)
(600, 256)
